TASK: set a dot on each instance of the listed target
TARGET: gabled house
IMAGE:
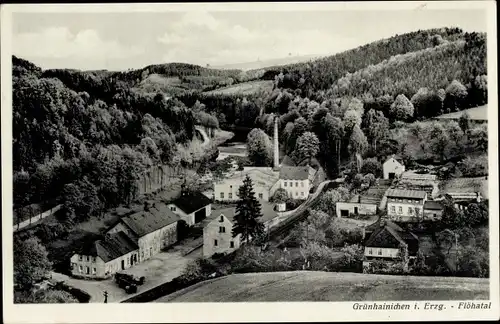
(192, 207)
(218, 234)
(297, 180)
(405, 205)
(153, 229)
(355, 206)
(393, 167)
(265, 183)
(387, 242)
(433, 210)
(103, 258)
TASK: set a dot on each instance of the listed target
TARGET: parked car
(130, 278)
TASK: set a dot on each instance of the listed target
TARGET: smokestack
(276, 144)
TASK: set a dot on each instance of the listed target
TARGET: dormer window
(221, 219)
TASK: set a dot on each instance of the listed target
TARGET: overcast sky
(118, 41)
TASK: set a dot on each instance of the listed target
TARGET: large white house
(265, 183)
(102, 258)
(296, 180)
(405, 205)
(392, 168)
(192, 207)
(218, 234)
(154, 229)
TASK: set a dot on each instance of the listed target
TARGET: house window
(296, 183)
(80, 257)
(221, 218)
(87, 270)
(173, 208)
(231, 244)
(296, 194)
(302, 193)
(261, 196)
(379, 251)
(230, 195)
(417, 210)
(222, 229)
(393, 209)
(94, 259)
(222, 195)
(410, 210)
(215, 242)
(285, 183)
(88, 258)
(94, 270)
(370, 251)
(400, 210)
(80, 269)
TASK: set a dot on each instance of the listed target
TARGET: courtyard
(161, 268)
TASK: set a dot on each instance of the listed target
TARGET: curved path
(206, 138)
(298, 214)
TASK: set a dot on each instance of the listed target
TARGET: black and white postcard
(226, 162)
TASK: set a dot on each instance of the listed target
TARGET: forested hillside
(352, 103)
(82, 135)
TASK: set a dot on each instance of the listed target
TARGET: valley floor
(330, 286)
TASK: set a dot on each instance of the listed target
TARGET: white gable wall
(215, 241)
(392, 166)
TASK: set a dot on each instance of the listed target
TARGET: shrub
(50, 296)
(373, 166)
(352, 259)
(476, 167)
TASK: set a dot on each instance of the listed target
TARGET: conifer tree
(248, 212)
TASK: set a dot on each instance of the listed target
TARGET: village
(149, 247)
(177, 174)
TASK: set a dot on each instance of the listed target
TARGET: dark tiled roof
(390, 235)
(287, 161)
(409, 194)
(191, 202)
(112, 247)
(395, 157)
(145, 222)
(432, 205)
(296, 173)
(227, 212)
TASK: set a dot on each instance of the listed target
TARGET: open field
(161, 268)
(477, 113)
(246, 88)
(329, 286)
(466, 185)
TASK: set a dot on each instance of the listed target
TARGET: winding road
(300, 213)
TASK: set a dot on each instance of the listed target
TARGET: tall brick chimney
(276, 153)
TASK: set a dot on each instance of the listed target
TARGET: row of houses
(139, 236)
(406, 196)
